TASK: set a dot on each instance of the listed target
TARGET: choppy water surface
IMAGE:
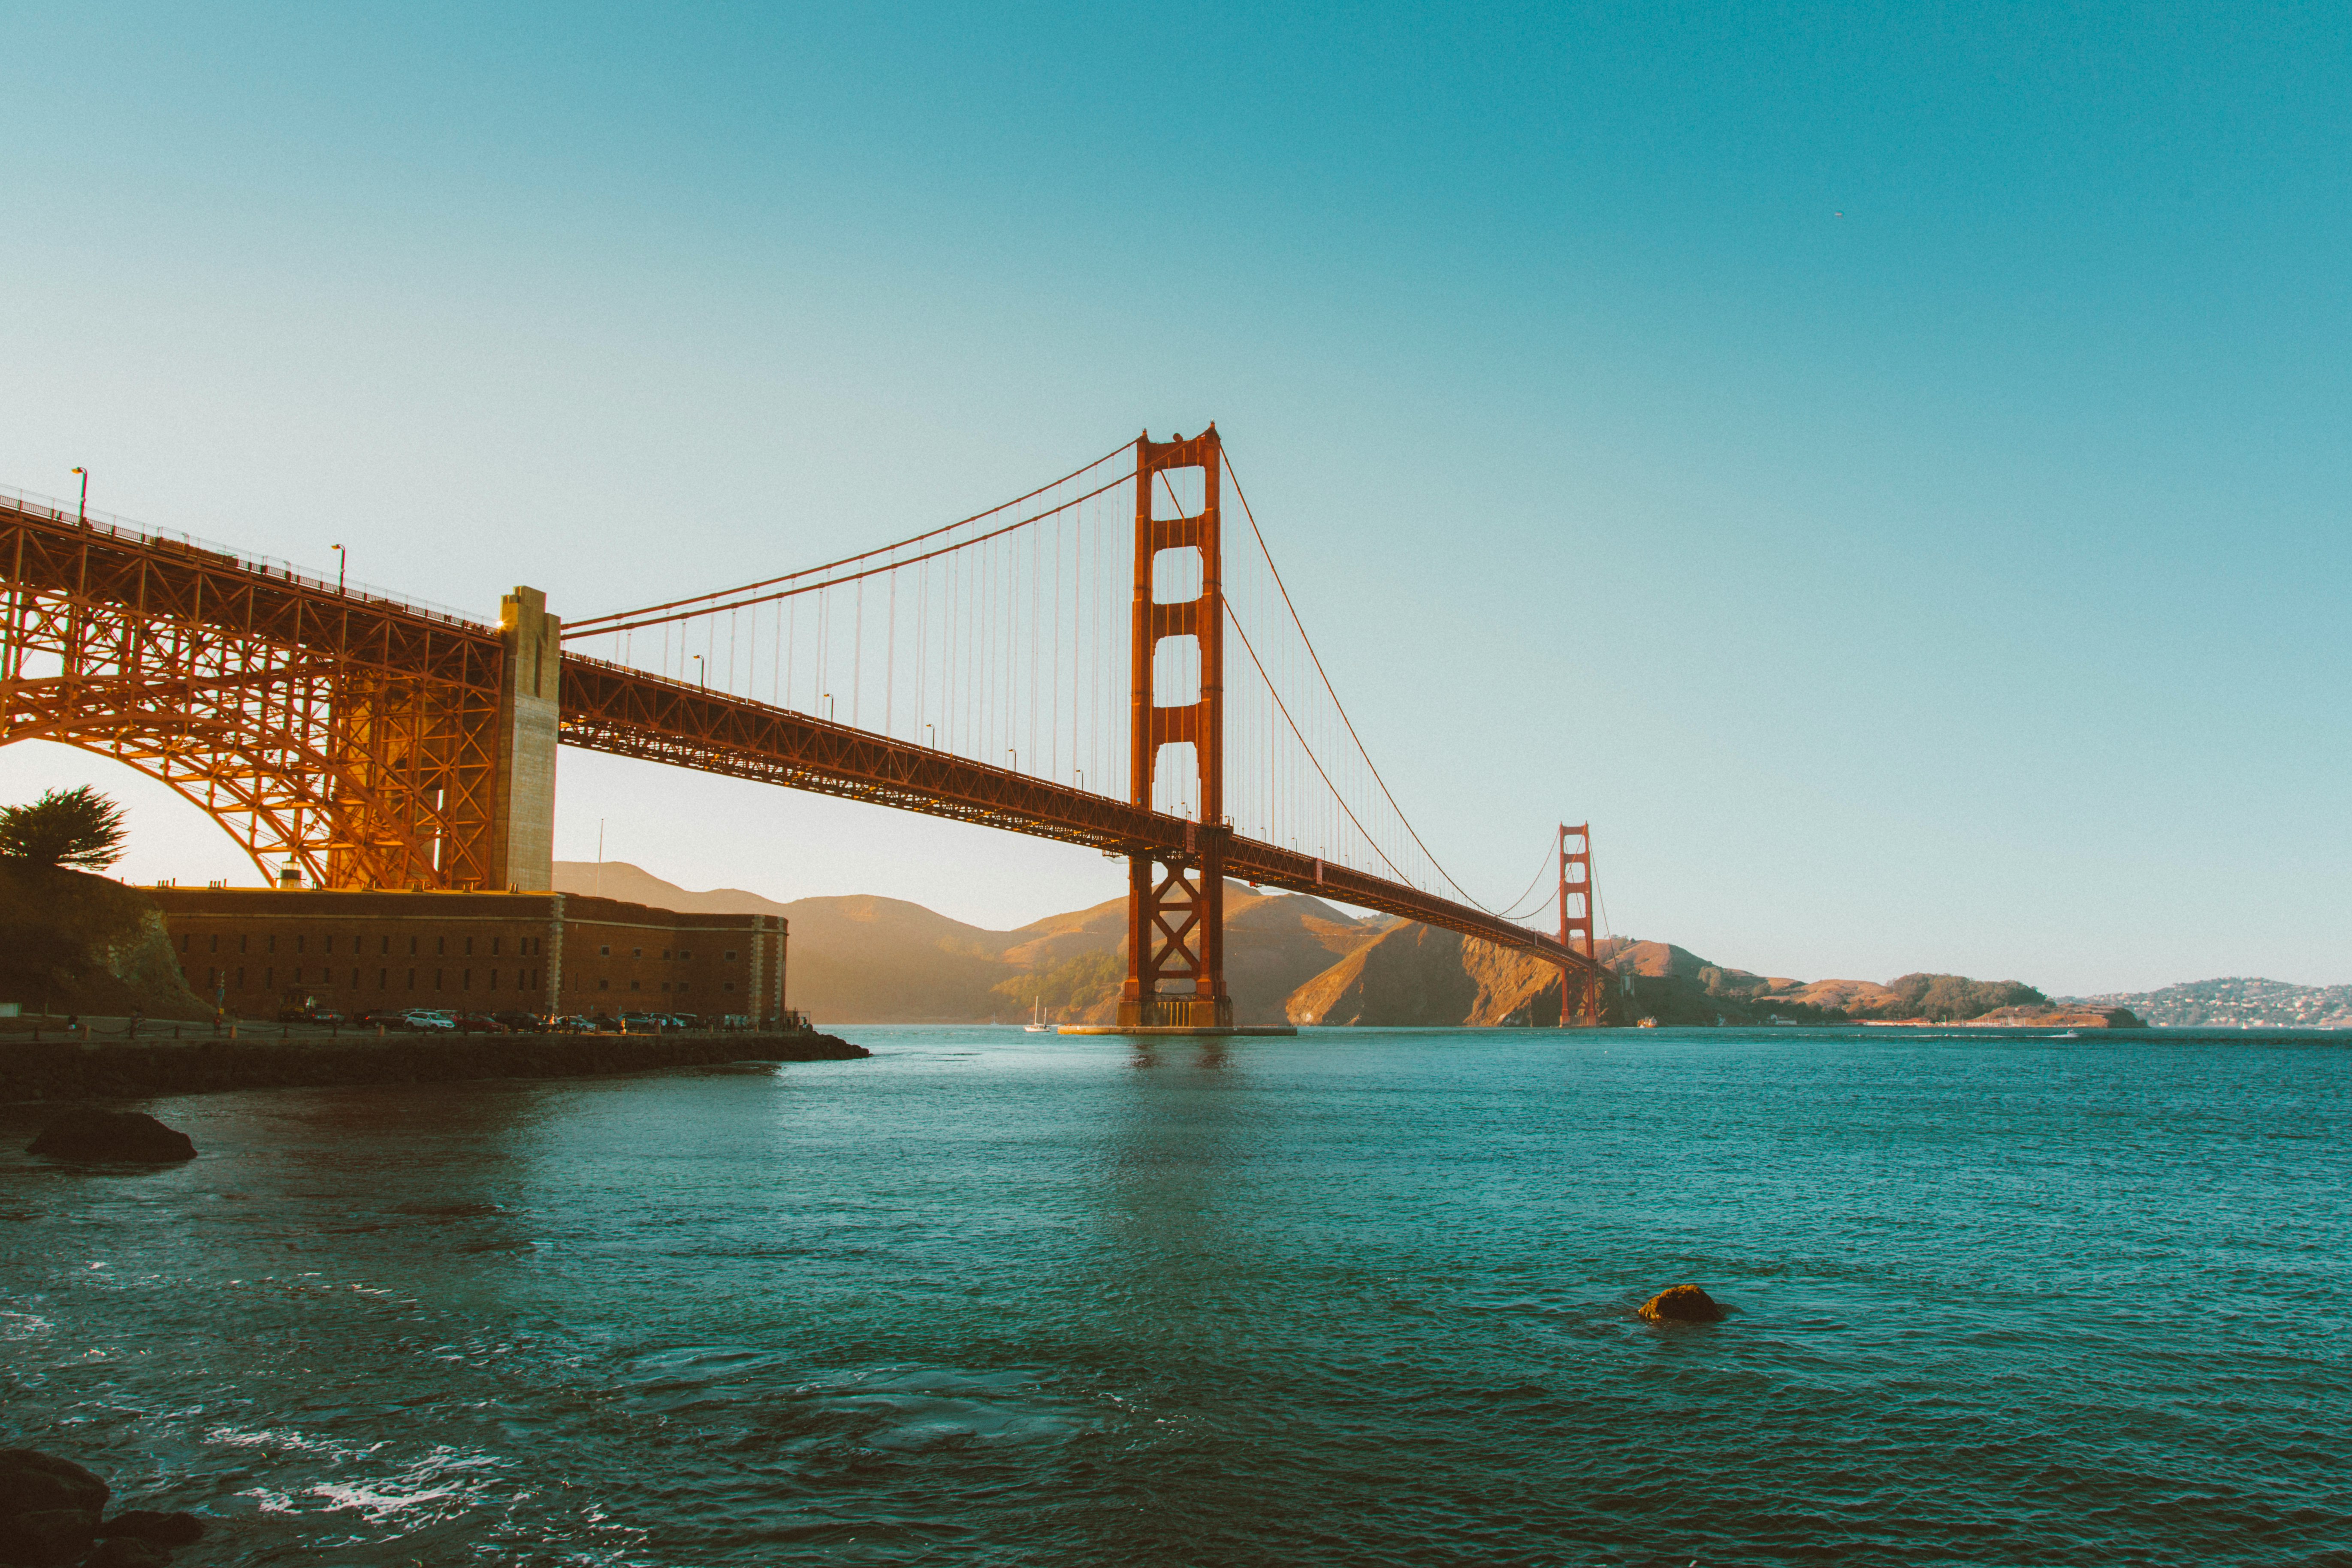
(1356, 1298)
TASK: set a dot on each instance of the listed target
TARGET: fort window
(603, 985)
(215, 947)
(386, 951)
(731, 956)
(682, 953)
(469, 947)
(727, 986)
(240, 943)
(603, 952)
(183, 943)
(273, 944)
(633, 984)
(664, 985)
(681, 985)
(636, 952)
(440, 945)
(494, 947)
(411, 947)
(298, 940)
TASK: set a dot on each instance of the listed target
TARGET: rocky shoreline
(60, 1071)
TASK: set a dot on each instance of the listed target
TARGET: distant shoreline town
(2232, 1004)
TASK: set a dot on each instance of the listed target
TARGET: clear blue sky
(1886, 466)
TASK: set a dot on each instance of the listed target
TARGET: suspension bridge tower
(1576, 923)
(1176, 898)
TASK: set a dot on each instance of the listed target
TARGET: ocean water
(1362, 1297)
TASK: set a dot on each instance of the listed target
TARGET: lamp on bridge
(82, 516)
(341, 561)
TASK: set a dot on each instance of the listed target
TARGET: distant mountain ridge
(2236, 1003)
(862, 958)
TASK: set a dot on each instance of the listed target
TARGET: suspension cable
(597, 621)
(1336, 704)
(650, 620)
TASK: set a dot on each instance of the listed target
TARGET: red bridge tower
(1176, 899)
(1576, 927)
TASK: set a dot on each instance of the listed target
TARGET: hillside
(2234, 1003)
(80, 944)
(866, 960)
(862, 959)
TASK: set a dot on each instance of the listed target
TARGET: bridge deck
(612, 708)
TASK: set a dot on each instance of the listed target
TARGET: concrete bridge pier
(522, 813)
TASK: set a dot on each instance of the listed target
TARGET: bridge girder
(348, 735)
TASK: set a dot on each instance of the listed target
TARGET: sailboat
(1036, 1024)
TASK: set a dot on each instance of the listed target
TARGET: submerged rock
(33, 1482)
(127, 1552)
(112, 1135)
(147, 1524)
(1682, 1304)
(49, 1535)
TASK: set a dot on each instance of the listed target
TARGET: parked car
(420, 1018)
(521, 1023)
(325, 1017)
(389, 1018)
(476, 1024)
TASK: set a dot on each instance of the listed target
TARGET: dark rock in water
(127, 1552)
(112, 1135)
(162, 1528)
(1682, 1304)
(33, 1482)
(49, 1535)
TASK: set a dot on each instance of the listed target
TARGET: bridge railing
(211, 552)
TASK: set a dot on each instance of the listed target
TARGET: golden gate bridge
(1104, 660)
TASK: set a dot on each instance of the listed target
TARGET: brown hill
(873, 960)
(865, 960)
(619, 879)
(1418, 975)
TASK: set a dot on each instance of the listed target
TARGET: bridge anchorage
(353, 738)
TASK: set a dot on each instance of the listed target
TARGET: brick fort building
(258, 950)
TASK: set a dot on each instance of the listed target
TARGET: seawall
(77, 1071)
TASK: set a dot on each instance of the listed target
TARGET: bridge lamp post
(931, 736)
(1016, 756)
(701, 673)
(82, 515)
(342, 559)
(1082, 776)
(828, 707)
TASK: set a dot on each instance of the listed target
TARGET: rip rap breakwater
(76, 1072)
